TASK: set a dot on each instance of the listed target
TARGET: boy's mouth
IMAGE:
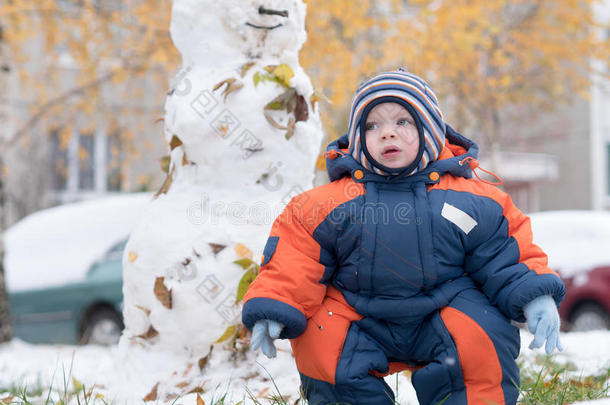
(390, 151)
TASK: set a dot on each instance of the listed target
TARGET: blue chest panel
(391, 226)
(449, 239)
(395, 243)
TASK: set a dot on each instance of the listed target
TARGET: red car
(578, 246)
(586, 305)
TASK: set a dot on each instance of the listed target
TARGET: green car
(82, 312)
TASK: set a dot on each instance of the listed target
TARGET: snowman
(243, 129)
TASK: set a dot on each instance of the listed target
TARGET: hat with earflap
(417, 97)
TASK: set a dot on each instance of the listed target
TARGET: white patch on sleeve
(464, 221)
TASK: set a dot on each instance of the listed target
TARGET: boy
(403, 261)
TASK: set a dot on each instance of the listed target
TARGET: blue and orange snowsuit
(371, 274)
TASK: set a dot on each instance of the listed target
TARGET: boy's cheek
(412, 139)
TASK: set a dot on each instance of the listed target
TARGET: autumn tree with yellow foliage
(481, 57)
(84, 65)
(108, 41)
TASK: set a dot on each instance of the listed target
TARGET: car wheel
(103, 327)
(589, 317)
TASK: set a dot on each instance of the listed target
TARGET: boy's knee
(440, 380)
(352, 382)
(489, 370)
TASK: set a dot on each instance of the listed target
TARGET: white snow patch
(603, 401)
(575, 241)
(588, 351)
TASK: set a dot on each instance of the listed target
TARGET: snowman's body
(234, 166)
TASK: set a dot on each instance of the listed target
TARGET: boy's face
(391, 135)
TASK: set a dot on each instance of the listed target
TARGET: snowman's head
(267, 28)
(225, 31)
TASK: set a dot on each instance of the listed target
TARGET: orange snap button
(358, 174)
(434, 176)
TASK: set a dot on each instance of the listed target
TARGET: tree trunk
(5, 318)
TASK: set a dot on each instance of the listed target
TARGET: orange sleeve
(299, 259)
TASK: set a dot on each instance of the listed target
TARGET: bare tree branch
(51, 103)
(43, 109)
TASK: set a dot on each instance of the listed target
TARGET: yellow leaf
(164, 162)
(244, 283)
(78, 386)
(83, 154)
(246, 67)
(321, 163)
(313, 100)
(243, 251)
(65, 134)
(200, 400)
(284, 73)
(229, 332)
(132, 256)
(119, 76)
(246, 263)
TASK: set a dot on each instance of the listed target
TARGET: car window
(116, 251)
(107, 266)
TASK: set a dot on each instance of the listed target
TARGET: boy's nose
(388, 132)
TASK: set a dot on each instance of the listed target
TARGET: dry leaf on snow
(163, 294)
(149, 334)
(152, 395)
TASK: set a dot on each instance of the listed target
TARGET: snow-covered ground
(40, 365)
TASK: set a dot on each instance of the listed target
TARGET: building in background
(72, 161)
(571, 145)
(80, 155)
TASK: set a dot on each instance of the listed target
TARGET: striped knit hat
(417, 97)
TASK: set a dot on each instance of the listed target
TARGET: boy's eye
(404, 121)
(370, 125)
